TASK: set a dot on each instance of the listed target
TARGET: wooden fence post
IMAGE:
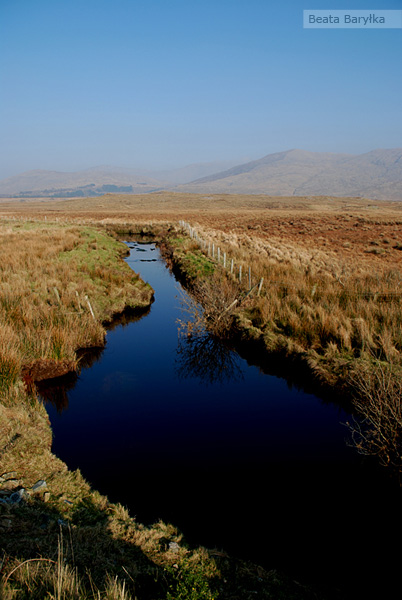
(90, 307)
(78, 301)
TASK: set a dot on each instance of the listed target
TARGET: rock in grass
(39, 486)
(174, 547)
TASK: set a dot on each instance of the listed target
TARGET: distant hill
(104, 179)
(91, 182)
(376, 174)
(194, 171)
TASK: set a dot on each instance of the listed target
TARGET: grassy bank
(338, 319)
(58, 285)
(59, 538)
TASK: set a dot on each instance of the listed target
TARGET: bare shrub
(218, 296)
(377, 430)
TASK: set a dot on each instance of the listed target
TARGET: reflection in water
(199, 353)
(55, 391)
(88, 357)
(130, 315)
(205, 357)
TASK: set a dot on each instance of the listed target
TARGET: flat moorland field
(348, 227)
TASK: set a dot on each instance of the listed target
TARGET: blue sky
(154, 84)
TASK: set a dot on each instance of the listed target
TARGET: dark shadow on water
(128, 316)
(294, 371)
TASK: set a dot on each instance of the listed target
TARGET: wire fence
(245, 276)
(243, 273)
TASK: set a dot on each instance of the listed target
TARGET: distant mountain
(103, 179)
(91, 182)
(376, 174)
(194, 171)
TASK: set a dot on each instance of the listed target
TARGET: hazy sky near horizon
(159, 84)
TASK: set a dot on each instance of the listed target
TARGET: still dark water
(235, 458)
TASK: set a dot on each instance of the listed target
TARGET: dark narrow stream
(236, 459)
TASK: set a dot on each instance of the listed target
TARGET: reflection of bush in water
(200, 352)
(55, 391)
(207, 358)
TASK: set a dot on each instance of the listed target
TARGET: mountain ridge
(376, 174)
